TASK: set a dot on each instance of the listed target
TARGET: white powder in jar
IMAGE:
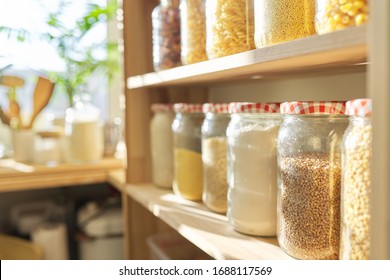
(252, 178)
(161, 141)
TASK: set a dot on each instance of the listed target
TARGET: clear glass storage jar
(283, 20)
(252, 167)
(214, 156)
(84, 131)
(161, 144)
(332, 15)
(187, 145)
(309, 178)
(356, 182)
(166, 35)
(193, 31)
(229, 27)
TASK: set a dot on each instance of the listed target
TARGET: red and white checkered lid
(161, 107)
(188, 108)
(215, 108)
(313, 107)
(252, 107)
(359, 107)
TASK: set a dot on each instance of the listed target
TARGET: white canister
(83, 130)
(23, 144)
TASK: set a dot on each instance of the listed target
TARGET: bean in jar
(309, 178)
(166, 35)
(193, 31)
(332, 15)
(356, 182)
(188, 168)
(283, 20)
(161, 144)
(229, 27)
(214, 156)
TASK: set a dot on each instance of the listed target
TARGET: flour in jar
(252, 179)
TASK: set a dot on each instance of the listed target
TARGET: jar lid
(313, 107)
(161, 107)
(215, 108)
(252, 107)
(188, 108)
(359, 107)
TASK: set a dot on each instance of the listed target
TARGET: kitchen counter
(15, 176)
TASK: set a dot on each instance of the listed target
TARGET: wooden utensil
(14, 114)
(4, 117)
(42, 93)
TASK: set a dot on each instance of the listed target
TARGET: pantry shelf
(209, 231)
(342, 49)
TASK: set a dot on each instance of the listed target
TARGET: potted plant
(81, 59)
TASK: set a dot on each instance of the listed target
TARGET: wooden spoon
(4, 117)
(42, 93)
(14, 114)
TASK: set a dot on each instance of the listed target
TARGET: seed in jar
(356, 194)
(193, 31)
(214, 154)
(283, 20)
(309, 210)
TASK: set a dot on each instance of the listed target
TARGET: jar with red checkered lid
(187, 143)
(309, 178)
(356, 182)
(161, 144)
(252, 187)
(214, 156)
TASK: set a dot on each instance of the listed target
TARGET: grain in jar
(166, 35)
(332, 15)
(193, 31)
(356, 182)
(309, 178)
(252, 167)
(161, 144)
(283, 20)
(188, 168)
(214, 156)
(229, 27)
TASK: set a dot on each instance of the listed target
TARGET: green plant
(81, 59)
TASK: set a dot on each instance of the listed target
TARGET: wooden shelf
(19, 177)
(345, 48)
(209, 231)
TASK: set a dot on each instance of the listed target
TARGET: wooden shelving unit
(344, 49)
(146, 206)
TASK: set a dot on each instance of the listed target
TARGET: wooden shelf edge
(342, 48)
(209, 231)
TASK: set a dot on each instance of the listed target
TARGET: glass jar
(161, 141)
(229, 27)
(48, 147)
(332, 15)
(283, 20)
(356, 182)
(214, 156)
(193, 31)
(252, 167)
(309, 178)
(166, 35)
(83, 131)
(187, 145)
